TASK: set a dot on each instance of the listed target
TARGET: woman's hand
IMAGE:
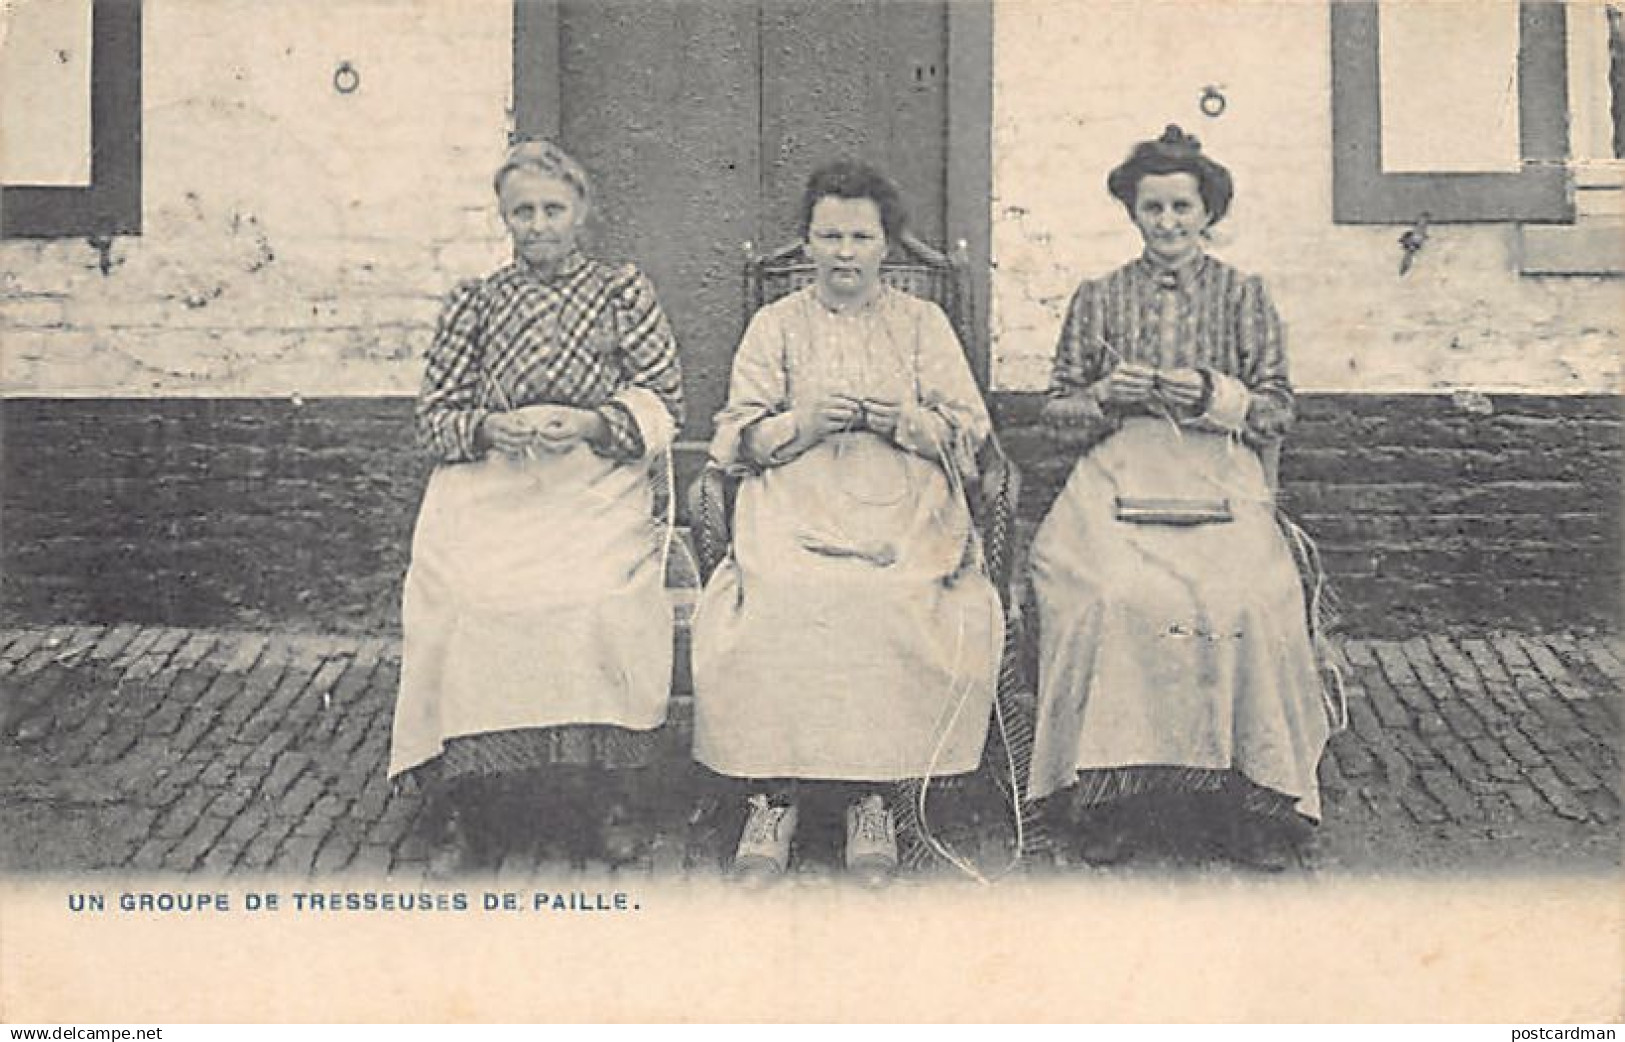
(557, 428)
(1184, 389)
(1127, 384)
(881, 415)
(505, 432)
(821, 417)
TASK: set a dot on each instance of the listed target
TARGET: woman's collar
(1182, 275)
(852, 307)
(573, 262)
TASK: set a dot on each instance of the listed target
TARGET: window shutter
(111, 203)
(1363, 193)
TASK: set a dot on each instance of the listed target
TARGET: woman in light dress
(852, 636)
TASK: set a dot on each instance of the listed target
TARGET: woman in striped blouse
(538, 634)
(1175, 653)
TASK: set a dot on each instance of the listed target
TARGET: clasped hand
(1134, 384)
(1131, 384)
(837, 413)
(550, 428)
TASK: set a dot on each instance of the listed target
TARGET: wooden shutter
(1364, 194)
(111, 203)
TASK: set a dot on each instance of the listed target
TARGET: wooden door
(701, 119)
(853, 78)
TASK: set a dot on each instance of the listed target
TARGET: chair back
(910, 265)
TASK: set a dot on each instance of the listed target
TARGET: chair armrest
(993, 505)
(710, 503)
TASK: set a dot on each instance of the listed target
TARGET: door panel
(659, 101)
(858, 78)
(701, 119)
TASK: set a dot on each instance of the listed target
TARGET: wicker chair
(922, 271)
(915, 268)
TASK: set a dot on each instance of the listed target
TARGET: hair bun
(1174, 139)
(1175, 152)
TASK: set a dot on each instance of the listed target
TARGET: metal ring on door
(346, 79)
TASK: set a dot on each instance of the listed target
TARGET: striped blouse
(514, 339)
(1204, 315)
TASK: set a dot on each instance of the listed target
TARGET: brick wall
(216, 429)
(298, 240)
(1428, 512)
(204, 512)
(251, 512)
(1424, 509)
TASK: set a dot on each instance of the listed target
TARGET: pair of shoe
(479, 826)
(764, 844)
(593, 826)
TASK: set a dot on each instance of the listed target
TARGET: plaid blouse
(515, 339)
(1203, 315)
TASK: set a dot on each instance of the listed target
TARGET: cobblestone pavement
(142, 749)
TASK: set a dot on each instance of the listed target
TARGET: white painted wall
(298, 240)
(1078, 82)
(295, 239)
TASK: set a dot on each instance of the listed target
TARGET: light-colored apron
(852, 635)
(535, 598)
(1169, 644)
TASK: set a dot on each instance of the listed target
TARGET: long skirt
(535, 601)
(1173, 654)
(853, 635)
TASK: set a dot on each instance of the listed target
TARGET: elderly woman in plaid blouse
(1175, 653)
(538, 636)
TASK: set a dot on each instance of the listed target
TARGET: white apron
(1180, 645)
(535, 598)
(814, 660)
